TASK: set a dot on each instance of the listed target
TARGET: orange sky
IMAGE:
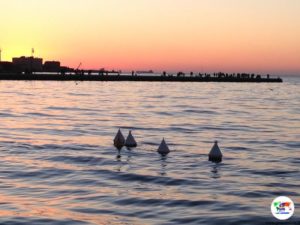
(200, 35)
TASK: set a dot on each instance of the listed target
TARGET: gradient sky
(200, 35)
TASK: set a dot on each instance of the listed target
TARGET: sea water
(58, 164)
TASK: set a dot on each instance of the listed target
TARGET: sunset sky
(199, 35)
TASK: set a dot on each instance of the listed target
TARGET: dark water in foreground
(58, 165)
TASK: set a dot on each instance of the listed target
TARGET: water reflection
(129, 156)
(119, 156)
(123, 158)
(215, 170)
(119, 165)
(57, 159)
(163, 165)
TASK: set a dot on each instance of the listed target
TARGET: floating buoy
(215, 154)
(163, 148)
(130, 141)
(119, 140)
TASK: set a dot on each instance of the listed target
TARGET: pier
(136, 78)
(32, 68)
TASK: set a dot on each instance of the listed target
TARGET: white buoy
(130, 141)
(163, 148)
(119, 140)
(215, 154)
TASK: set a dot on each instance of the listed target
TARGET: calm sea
(58, 165)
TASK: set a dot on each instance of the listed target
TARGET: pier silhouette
(83, 75)
(32, 68)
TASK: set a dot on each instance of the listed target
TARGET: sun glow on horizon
(222, 35)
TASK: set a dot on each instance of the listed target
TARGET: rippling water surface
(58, 165)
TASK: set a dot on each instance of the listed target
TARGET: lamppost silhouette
(31, 60)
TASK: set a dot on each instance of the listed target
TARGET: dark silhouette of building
(28, 64)
(6, 67)
(51, 66)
